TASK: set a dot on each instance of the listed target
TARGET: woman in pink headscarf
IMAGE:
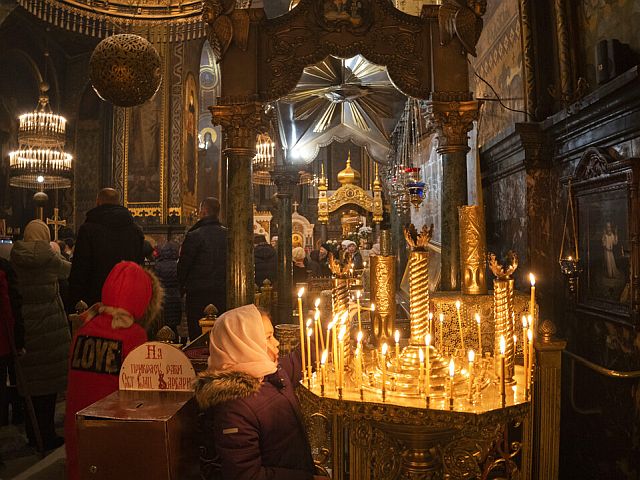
(254, 426)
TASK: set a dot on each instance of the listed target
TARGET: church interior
(434, 182)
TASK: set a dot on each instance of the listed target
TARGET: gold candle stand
(503, 313)
(473, 248)
(383, 291)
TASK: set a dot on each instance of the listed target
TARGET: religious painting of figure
(344, 11)
(190, 143)
(144, 158)
(604, 245)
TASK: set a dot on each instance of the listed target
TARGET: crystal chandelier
(40, 162)
(265, 160)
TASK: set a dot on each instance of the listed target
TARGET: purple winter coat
(257, 429)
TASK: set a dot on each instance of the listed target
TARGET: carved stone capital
(537, 154)
(452, 121)
(285, 181)
(241, 122)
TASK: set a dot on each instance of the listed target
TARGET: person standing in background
(166, 269)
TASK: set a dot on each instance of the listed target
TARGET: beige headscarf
(37, 230)
(237, 342)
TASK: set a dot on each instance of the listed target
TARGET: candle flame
(477, 317)
(317, 302)
(359, 337)
(441, 317)
(325, 354)
(503, 345)
(452, 368)
(430, 316)
(570, 258)
(372, 307)
(316, 316)
(309, 332)
(427, 339)
(358, 293)
(458, 304)
(309, 322)
(524, 321)
(301, 292)
(385, 347)
(529, 335)
(532, 279)
(421, 355)
(396, 336)
(472, 356)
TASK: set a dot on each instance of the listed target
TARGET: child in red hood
(131, 301)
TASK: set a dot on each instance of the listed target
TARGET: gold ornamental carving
(503, 309)
(473, 250)
(452, 121)
(383, 295)
(241, 122)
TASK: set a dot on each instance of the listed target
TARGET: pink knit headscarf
(237, 342)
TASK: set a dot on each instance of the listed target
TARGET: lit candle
(530, 322)
(532, 302)
(317, 318)
(323, 372)
(421, 374)
(472, 357)
(396, 337)
(427, 365)
(358, 293)
(530, 362)
(336, 360)
(441, 332)
(479, 334)
(301, 318)
(503, 348)
(385, 347)
(525, 354)
(343, 329)
(316, 329)
(309, 333)
(359, 363)
(460, 324)
(452, 372)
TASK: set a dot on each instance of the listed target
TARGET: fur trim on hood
(213, 388)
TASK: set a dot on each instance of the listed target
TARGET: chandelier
(40, 161)
(264, 163)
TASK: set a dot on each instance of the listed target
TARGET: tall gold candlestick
(460, 325)
(385, 347)
(421, 374)
(336, 363)
(427, 365)
(317, 317)
(503, 347)
(472, 357)
(396, 337)
(441, 343)
(532, 301)
(452, 372)
(359, 363)
(479, 334)
(301, 318)
(358, 293)
(316, 329)
(309, 333)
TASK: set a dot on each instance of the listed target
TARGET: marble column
(398, 221)
(285, 181)
(452, 120)
(240, 122)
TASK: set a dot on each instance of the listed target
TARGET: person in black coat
(166, 268)
(319, 261)
(202, 267)
(108, 236)
(266, 260)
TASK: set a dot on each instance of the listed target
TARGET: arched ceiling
(339, 100)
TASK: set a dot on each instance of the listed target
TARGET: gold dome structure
(349, 175)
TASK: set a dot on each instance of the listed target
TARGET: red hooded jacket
(98, 350)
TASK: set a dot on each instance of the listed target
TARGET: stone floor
(18, 461)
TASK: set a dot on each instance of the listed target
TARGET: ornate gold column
(383, 290)
(451, 121)
(473, 250)
(286, 181)
(240, 122)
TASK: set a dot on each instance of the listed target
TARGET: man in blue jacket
(202, 267)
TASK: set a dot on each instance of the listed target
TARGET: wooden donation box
(148, 428)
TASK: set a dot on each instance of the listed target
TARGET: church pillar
(398, 221)
(323, 232)
(285, 181)
(240, 124)
(451, 121)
